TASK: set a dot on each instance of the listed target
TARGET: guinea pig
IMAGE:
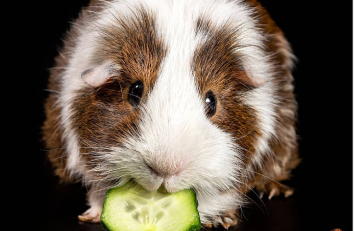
(177, 94)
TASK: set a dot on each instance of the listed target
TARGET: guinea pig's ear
(98, 75)
(255, 82)
(248, 78)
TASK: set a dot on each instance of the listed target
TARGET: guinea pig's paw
(227, 220)
(92, 215)
(273, 189)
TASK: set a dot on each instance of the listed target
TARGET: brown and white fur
(179, 50)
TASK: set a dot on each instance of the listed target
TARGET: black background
(321, 36)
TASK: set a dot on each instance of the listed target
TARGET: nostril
(152, 169)
(164, 171)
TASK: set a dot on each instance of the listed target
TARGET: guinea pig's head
(167, 95)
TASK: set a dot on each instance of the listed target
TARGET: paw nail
(288, 193)
(272, 193)
(261, 195)
(226, 225)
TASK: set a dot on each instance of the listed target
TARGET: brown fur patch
(218, 69)
(134, 45)
(103, 115)
(52, 132)
(52, 129)
(284, 146)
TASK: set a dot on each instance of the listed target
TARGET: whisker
(254, 202)
(242, 213)
(259, 199)
(286, 187)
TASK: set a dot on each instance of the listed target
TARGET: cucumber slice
(132, 208)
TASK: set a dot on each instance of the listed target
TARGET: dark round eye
(211, 104)
(135, 93)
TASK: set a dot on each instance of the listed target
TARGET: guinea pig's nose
(163, 170)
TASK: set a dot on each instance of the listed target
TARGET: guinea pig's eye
(135, 93)
(211, 104)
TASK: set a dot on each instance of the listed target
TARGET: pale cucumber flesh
(131, 208)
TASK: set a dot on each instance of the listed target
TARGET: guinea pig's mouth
(171, 184)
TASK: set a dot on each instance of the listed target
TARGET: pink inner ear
(253, 81)
(97, 76)
(258, 81)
